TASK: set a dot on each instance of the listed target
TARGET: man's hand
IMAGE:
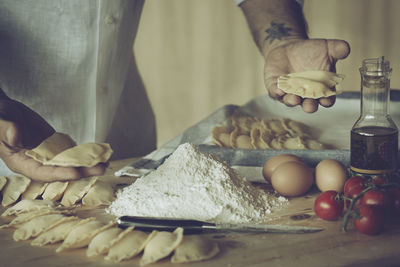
(280, 33)
(301, 55)
(22, 129)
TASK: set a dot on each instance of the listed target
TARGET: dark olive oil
(374, 149)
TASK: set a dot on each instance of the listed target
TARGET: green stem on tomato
(347, 198)
(350, 209)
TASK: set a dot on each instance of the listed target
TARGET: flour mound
(195, 185)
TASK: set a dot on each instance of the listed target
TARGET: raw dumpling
(76, 190)
(260, 137)
(102, 242)
(127, 245)
(84, 155)
(194, 248)
(295, 128)
(161, 245)
(244, 123)
(25, 217)
(314, 144)
(34, 190)
(36, 226)
(3, 181)
(54, 191)
(239, 140)
(50, 147)
(13, 189)
(60, 150)
(28, 205)
(329, 78)
(305, 88)
(244, 141)
(275, 126)
(57, 233)
(294, 143)
(221, 136)
(271, 133)
(101, 193)
(81, 235)
(277, 143)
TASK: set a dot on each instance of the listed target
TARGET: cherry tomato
(371, 220)
(378, 198)
(354, 192)
(329, 205)
(378, 180)
(353, 185)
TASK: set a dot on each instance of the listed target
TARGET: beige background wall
(198, 55)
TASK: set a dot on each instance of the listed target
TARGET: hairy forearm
(274, 22)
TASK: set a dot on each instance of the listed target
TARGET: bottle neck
(375, 94)
(375, 97)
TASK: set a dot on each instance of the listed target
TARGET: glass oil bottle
(374, 136)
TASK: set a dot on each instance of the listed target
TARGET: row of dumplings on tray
(240, 131)
(88, 191)
(43, 223)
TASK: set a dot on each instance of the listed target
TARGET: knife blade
(195, 226)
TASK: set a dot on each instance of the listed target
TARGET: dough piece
(3, 181)
(261, 137)
(25, 217)
(50, 147)
(314, 144)
(275, 126)
(329, 78)
(81, 235)
(294, 143)
(34, 190)
(244, 141)
(264, 134)
(161, 245)
(277, 142)
(84, 155)
(76, 190)
(195, 248)
(28, 205)
(102, 242)
(295, 128)
(305, 88)
(239, 139)
(13, 189)
(221, 136)
(36, 226)
(244, 123)
(57, 233)
(101, 193)
(130, 245)
(55, 190)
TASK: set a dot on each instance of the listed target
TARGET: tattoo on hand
(277, 31)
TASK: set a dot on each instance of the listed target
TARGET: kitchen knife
(194, 226)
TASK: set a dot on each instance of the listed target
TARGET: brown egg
(292, 178)
(330, 174)
(274, 162)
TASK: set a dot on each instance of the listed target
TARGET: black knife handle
(162, 224)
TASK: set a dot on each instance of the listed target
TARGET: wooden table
(330, 247)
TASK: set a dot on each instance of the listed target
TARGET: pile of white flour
(194, 185)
